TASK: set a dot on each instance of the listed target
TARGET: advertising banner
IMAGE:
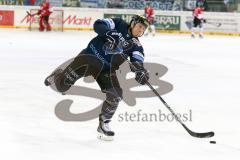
(83, 18)
(163, 22)
(167, 22)
(73, 19)
(158, 5)
(215, 23)
(6, 18)
(126, 17)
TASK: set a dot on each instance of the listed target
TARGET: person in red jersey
(198, 21)
(44, 13)
(149, 14)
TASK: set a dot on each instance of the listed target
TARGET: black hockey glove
(113, 38)
(204, 20)
(142, 77)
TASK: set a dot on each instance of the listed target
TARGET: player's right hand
(142, 77)
(113, 38)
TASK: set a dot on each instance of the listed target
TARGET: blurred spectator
(71, 3)
(31, 2)
(115, 4)
(19, 2)
(12, 2)
(5, 2)
(177, 5)
(203, 4)
(232, 5)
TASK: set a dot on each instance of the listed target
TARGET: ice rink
(205, 74)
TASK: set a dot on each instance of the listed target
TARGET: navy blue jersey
(131, 47)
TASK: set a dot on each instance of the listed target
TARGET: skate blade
(103, 137)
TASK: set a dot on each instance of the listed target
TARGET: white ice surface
(205, 74)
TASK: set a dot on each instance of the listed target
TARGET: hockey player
(43, 13)
(149, 14)
(197, 22)
(116, 40)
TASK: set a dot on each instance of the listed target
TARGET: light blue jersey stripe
(138, 55)
(109, 22)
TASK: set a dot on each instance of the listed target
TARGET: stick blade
(199, 135)
(202, 135)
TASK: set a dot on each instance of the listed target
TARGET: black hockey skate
(56, 81)
(201, 36)
(104, 132)
(50, 79)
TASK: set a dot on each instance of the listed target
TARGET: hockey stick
(193, 134)
(214, 24)
(31, 15)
